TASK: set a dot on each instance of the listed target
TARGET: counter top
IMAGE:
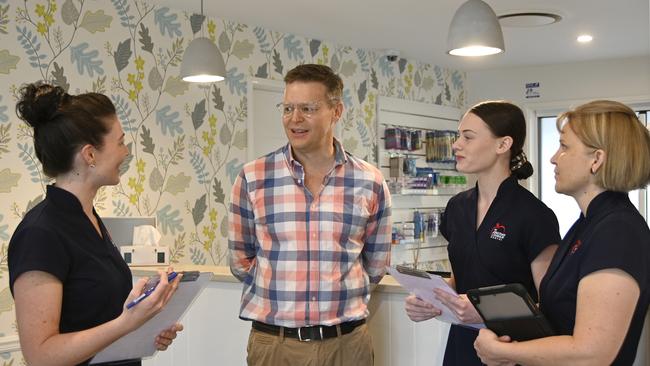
(222, 274)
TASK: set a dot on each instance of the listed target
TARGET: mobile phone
(149, 287)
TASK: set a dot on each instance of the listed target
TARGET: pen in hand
(149, 288)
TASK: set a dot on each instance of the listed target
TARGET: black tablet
(509, 310)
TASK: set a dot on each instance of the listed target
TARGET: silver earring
(92, 166)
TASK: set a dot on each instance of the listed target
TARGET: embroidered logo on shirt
(575, 246)
(498, 232)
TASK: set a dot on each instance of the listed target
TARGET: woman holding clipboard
(597, 289)
(498, 232)
(69, 281)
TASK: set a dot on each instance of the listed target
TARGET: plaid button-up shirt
(308, 260)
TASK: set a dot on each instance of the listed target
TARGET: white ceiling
(418, 28)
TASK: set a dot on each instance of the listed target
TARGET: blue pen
(149, 288)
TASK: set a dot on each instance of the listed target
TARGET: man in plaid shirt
(309, 231)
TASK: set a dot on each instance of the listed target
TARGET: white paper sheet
(423, 288)
(140, 342)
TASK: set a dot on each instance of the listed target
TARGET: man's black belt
(312, 333)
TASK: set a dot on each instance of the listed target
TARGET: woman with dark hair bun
(498, 231)
(69, 281)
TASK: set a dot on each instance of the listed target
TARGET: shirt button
(313, 298)
(313, 235)
(299, 181)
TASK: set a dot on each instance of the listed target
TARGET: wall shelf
(432, 253)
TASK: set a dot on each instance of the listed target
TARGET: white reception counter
(214, 335)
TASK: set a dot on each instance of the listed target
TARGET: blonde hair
(614, 128)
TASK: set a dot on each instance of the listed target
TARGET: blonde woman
(596, 290)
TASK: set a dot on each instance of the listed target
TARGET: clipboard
(422, 285)
(509, 310)
(140, 342)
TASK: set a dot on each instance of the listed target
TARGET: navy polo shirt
(58, 238)
(612, 235)
(515, 230)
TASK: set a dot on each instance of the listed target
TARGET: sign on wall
(532, 90)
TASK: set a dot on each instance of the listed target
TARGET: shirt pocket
(354, 220)
(279, 221)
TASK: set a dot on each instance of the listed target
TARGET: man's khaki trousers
(352, 349)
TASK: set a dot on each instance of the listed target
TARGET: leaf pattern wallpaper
(187, 142)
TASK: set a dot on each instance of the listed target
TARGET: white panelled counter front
(214, 334)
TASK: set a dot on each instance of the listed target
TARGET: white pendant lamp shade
(475, 31)
(202, 62)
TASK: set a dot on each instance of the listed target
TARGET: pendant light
(475, 31)
(202, 61)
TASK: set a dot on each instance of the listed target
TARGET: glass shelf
(422, 246)
(445, 191)
(430, 242)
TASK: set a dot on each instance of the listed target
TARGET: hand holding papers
(423, 285)
(140, 343)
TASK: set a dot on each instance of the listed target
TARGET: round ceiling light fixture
(528, 19)
(475, 31)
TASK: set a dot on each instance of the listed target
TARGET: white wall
(562, 86)
(617, 78)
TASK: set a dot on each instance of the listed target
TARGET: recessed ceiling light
(584, 38)
(528, 19)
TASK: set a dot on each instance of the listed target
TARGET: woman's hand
(459, 305)
(487, 346)
(153, 304)
(419, 310)
(167, 336)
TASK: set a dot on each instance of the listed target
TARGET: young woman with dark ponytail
(498, 231)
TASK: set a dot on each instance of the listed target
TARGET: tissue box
(145, 254)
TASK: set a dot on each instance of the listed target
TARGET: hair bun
(520, 166)
(39, 103)
(524, 171)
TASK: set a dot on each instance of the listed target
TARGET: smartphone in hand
(149, 287)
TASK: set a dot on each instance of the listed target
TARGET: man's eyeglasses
(306, 109)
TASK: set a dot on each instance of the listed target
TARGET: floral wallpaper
(187, 142)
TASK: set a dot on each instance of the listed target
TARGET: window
(565, 207)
